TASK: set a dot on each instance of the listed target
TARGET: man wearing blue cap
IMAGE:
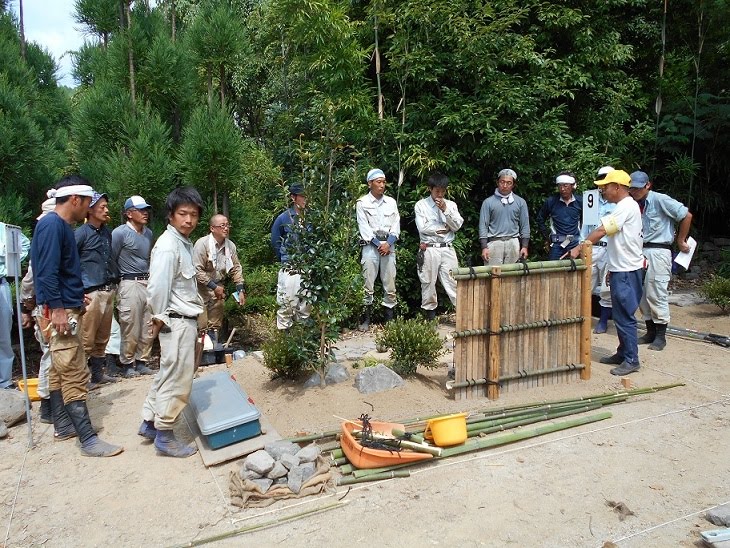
(625, 265)
(660, 215)
(292, 307)
(378, 222)
(131, 248)
(99, 276)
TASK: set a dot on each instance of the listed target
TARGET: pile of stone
(281, 463)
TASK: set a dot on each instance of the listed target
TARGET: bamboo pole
(585, 332)
(535, 266)
(374, 477)
(509, 273)
(493, 345)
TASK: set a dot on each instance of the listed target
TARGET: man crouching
(173, 299)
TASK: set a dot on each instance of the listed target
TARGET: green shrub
(289, 354)
(717, 291)
(412, 342)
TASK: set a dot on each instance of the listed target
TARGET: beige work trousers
(134, 320)
(654, 303)
(503, 251)
(438, 262)
(171, 386)
(373, 265)
(213, 311)
(599, 271)
(68, 373)
(96, 324)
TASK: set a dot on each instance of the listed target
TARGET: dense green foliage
(717, 291)
(413, 343)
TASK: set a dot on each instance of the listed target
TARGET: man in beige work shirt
(216, 261)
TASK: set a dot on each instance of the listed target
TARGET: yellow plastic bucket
(447, 430)
(32, 389)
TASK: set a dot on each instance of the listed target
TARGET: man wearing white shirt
(437, 220)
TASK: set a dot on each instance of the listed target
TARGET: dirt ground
(665, 456)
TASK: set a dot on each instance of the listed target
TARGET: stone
(277, 471)
(708, 246)
(377, 379)
(259, 355)
(279, 448)
(721, 242)
(281, 481)
(12, 406)
(260, 462)
(336, 373)
(690, 276)
(250, 474)
(295, 479)
(719, 516)
(290, 461)
(685, 299)
(308, 470)
(263, 483)
(3, 430)
(308, 453)
(312, 382)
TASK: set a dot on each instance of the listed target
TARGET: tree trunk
(132, 88)
(226, 209)
(22, 29)
(223, 83)
(376, 53)
(209, 70)
(173, 19)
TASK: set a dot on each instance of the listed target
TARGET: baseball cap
(96, 197)
(375, 174)
(136, 202)
(296, 189)
(616, 176)
(639, 179)
(602, 172)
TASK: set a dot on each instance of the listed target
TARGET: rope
(15, 497)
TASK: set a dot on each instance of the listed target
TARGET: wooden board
(235, 450)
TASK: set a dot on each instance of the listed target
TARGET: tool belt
(501, 238)
(182, 317)
(560, 238)
(438, 245)
(652, 245)
(104, 287)
(381, 235)
(135, 276)
(601, 244)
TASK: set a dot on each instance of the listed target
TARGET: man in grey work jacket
(660, 215)
(378, 222)
(504, 223)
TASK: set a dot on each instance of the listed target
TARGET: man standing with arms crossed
(625, 265)
(437, 220)
(659, 214)
(99, 276)
(378, 221)
(175, 304)
(59, 289)
(131, 245)
(504, 223)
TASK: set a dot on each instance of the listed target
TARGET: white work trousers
(503, 251)
(170, 390)
(654, 303)
(438, 262)
(599, 271)
(374, 264)
(292, 307)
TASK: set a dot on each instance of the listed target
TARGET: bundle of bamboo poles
(479, 427)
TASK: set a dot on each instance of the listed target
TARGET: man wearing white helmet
(504, 223)
(560, 217)
(599, 265)
(378, 222)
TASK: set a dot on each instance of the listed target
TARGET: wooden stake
(493, 342)
(585, 332)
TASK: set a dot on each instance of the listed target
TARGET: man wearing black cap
(131, 247)
(99, 276)
(660, 215)
(291, 306)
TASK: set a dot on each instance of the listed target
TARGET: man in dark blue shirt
(60, 290)
(560, 217)
(99, 276)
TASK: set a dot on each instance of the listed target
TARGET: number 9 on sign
(591, 206)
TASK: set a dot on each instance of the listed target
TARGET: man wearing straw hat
(504, 223)
(378, 222)
(625, 265)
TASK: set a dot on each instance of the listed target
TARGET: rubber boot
(63, 428)
(660, 340)
(91, 444)
(650, 333)
(46, 415)
(430, 315)
(147, 430)
(167, 444)
(111, 366)
(388, 314)
(602, 324)
(365, 319)
(128, 371)
(97, 371)
(142, 368)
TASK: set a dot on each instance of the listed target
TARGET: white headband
(564, 179)
(78, 190)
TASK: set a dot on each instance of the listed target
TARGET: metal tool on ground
(721, 340)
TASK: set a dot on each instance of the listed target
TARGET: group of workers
(174, 289)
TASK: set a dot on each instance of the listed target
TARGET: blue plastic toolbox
(225, 414)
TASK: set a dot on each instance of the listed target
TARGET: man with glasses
(131, 247)
(625, 266)
(216, 261)
(560, 217)
(660, 215)
(504, 223)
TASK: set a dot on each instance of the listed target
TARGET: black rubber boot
(602, 325)
(147, 430)
(660, 340)
(46, 415)
(650, 333)
(97, 371)
(62, 425)
(365, 319)
(612, 360)
(111, 366)
(91, 444)
(129, 371)
(387, 314)
(430, 315)
(142, 368)
(167, 444)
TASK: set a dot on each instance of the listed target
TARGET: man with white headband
(560, 216)
(60, 290)
(599, 260)
(378, 222)
(504, 223)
